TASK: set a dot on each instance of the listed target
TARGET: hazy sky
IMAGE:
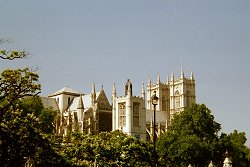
(75, 42)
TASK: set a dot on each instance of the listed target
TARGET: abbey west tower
(174, 96)
(134, 114)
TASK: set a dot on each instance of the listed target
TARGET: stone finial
(227, 162)
(192, 76)
(158, 79)
(149, 81)
(143, 91)
(211, 164)
(128, 88)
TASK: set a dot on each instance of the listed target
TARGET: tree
(192, 138)
(23, 134)
(25, 125)
(16, 84)
(108, 149)
(11, 55)
(234, 143)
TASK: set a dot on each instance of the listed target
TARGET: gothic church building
(93, 113)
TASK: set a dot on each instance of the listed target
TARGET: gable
(102, 102)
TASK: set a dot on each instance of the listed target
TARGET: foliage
(16, 84)
(108, 149)
(25, 125)
(23, 134)
(192, 138)
(11, 55)
(234, 143)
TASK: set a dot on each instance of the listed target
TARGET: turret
(167, 80)
(172, 76)
(114, 92)
(192, 76)
(149, 81)
(182, 72)
(227, 162)
(80, 109)
(211, 164)
(114, 108)
(143, 94)
(158, 79)
(93, 95)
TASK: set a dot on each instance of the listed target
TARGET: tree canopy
(25, 125)
(108, 149)
(191, 139)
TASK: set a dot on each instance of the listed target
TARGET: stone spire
(211, 164)
(167, 80)
(93, 94)
(114, 108)
(227, 162)
(143, 94)
(172, 76)
(158, 79)
(93, 88)
(182, 71)
(114, 91)
(192, 75)
(149, 81)
(80, 109)
(80, 103)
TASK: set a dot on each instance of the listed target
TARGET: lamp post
(154, 100)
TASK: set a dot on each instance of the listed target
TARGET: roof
(86, 102)
(66, 90)
(49, 102)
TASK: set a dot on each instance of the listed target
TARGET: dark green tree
(235, 144)
(25, 125)
(192, 138)
(109, 149)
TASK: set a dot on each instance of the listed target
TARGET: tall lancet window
(136, 114)
(177, 99)
(122, 114)
(188, 99)
(164, 104)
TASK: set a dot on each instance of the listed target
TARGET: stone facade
(128, 113)
(90, 113)
(174, 95)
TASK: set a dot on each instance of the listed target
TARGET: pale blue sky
(74, 42)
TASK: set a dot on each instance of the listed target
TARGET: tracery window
(164, 104)
(122, 114)
(136, 114)
(177, 99)
(188, 98)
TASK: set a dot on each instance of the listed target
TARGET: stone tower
(128, 113)
(174, 96)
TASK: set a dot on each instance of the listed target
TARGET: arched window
(136, 114)
(188, 104)
(122, 114)
(164, 104)
(177, 99)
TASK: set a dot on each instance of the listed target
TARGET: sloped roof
(66, 90)
(49, 102)
(86, 102)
